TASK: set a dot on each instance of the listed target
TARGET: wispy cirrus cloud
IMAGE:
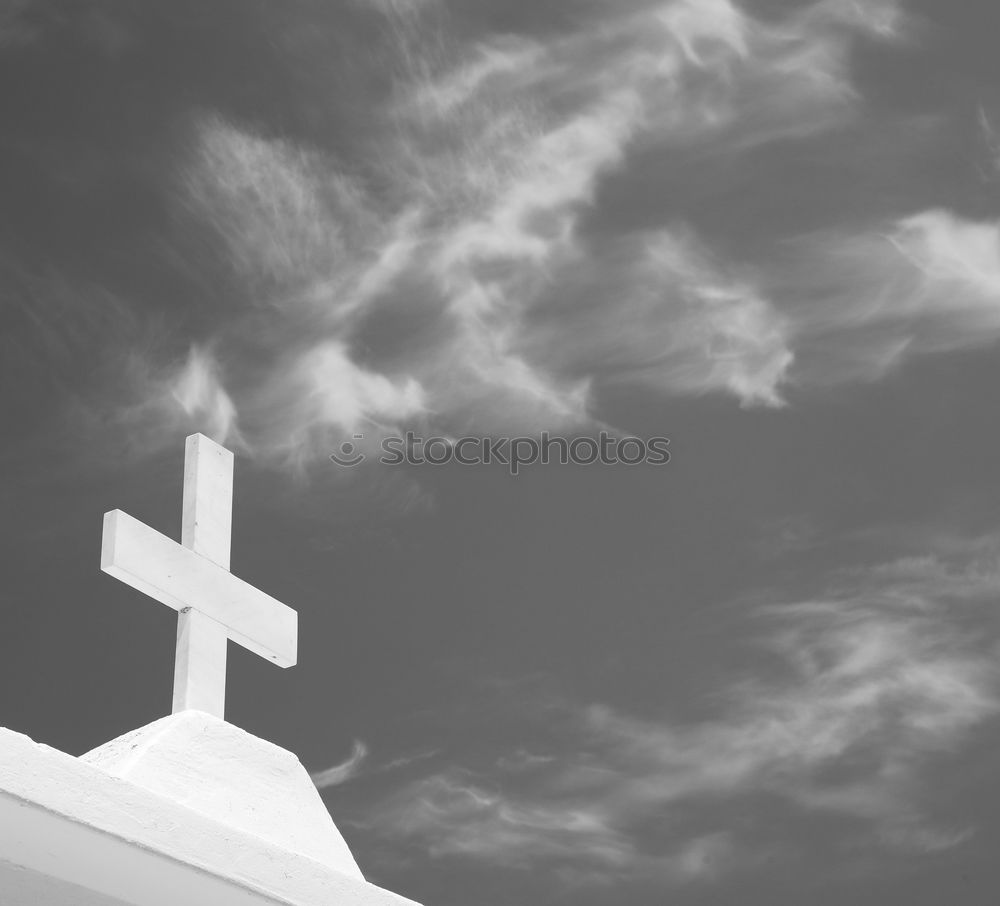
(856, 696)
(468, 220)
(682, 322)
(343, 772)
(828, 308)
(198, 389)
(861, 304)
(460, 276)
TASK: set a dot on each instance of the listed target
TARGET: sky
(767, 671)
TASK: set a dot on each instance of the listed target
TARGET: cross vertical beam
(206, 529)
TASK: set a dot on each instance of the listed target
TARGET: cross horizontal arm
(180, 578)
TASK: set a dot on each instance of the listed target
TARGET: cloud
(197, 389)
(860, 305)
(435, 97)
(948, 249)
(882, 19)
(989, 146)
(681, 323)
(859, 697)
(160, 399)
(453, 278)
(343, 772)
(322, 395)
(448, 264)
(497, 828)
(287, 215)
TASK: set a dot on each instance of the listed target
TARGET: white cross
(193, 577)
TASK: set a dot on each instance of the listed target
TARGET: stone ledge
(70, 820)
(225, 773)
